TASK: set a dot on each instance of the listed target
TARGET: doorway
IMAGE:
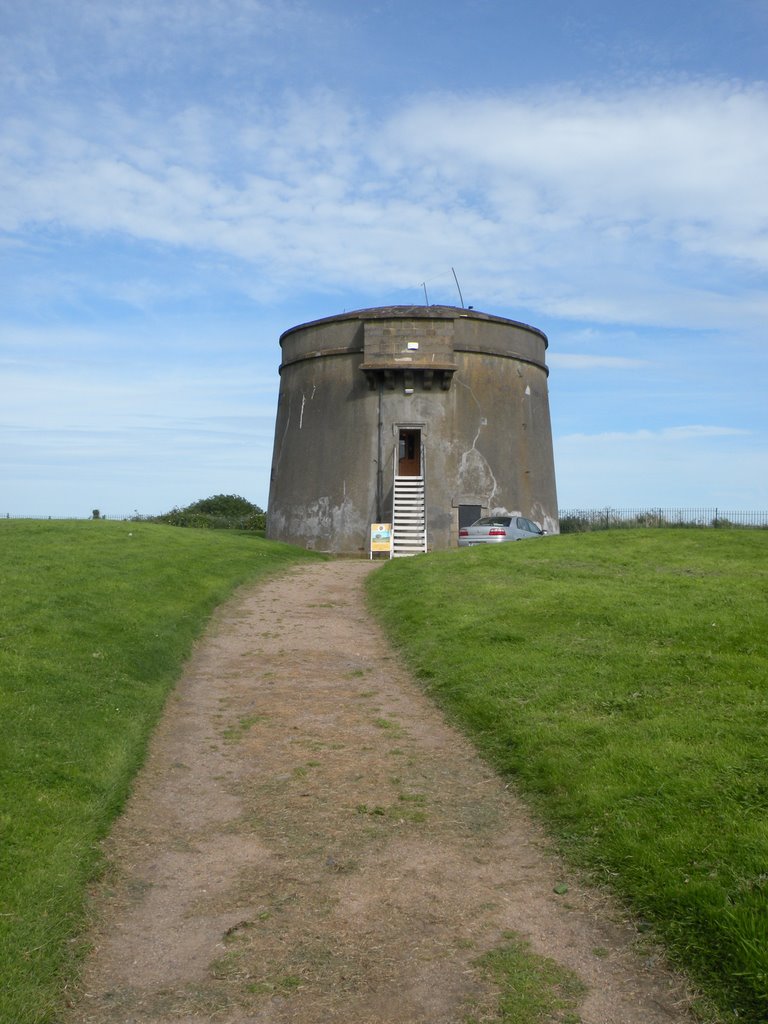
(409, 453)
(469, 514)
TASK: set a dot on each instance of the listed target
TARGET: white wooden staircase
(409, 523)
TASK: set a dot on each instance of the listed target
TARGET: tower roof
(416, 312)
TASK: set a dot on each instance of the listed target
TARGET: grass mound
(98, 618)
(622, 679)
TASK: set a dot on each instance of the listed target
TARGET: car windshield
(494, 521)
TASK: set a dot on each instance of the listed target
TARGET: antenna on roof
(461, 297)
(426, 298)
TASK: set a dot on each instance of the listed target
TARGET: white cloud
(656, 154)
(645, 206)
(50, 42)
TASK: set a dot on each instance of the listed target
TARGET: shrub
(219, 512)
(223, 506)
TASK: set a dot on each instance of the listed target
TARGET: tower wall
(472, 386)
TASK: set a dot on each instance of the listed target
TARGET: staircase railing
(424, 488)
(403, 489)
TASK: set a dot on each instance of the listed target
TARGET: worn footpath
(310, 842)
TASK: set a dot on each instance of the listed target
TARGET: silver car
(497, 529)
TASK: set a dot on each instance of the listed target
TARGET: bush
(255, 521)
(219, 512)
(223, 506)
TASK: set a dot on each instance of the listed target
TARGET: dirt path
(310, 842)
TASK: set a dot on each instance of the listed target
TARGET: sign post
(381, 538)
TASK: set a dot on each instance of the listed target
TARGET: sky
(181, 181)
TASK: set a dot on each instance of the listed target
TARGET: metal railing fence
(574, 520)
(62, 518)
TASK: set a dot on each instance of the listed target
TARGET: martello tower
(424, 416)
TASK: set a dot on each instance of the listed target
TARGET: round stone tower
(445, 407)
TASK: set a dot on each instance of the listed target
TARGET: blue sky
(182, 181)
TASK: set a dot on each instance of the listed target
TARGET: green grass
(532, 988)
(622, 679)
(97, 619)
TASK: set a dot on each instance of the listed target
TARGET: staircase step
(408, 517)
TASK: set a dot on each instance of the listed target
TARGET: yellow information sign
(381, 538)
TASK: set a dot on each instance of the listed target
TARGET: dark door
(469, 514)
(409, 453)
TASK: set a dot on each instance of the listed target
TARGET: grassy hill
(621, 679)
(97, 619)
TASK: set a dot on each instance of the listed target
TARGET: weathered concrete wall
(476, 388)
